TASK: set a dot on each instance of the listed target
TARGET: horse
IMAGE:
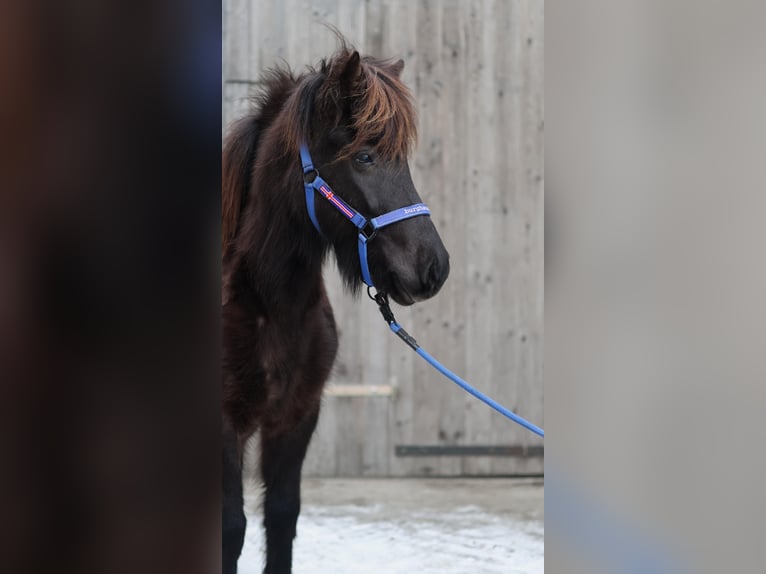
(348, 123)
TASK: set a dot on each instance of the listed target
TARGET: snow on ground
(408, 526)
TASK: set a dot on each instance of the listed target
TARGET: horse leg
(281, 461)
(233, 519)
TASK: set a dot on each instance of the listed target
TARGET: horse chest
(294, 364)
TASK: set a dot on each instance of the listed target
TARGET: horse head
(360, 123)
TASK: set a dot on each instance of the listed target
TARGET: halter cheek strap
(313, 184)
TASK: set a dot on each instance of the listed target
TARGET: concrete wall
(476, 70)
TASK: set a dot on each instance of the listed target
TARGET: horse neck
(282, 253)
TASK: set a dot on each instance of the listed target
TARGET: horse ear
(397, 67)
(349, 73)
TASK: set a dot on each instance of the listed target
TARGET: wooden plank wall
(476, 69)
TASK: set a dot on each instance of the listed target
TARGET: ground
(398, 526)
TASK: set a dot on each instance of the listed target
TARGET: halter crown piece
(368, 228)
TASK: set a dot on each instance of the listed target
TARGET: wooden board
(476, 70)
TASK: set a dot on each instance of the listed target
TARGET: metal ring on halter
(363, 229)
(313, 171)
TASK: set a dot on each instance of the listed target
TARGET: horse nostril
(435, 275)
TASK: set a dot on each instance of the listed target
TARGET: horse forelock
(381, 109)
(383, 113)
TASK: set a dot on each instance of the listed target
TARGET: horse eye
(363, 157)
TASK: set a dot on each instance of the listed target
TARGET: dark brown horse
(279, 335)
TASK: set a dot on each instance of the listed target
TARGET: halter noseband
(368, 228)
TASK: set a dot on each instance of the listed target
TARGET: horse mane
(367, 93)
(240, 146)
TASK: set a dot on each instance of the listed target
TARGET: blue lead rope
(388, 315)
(368, 229)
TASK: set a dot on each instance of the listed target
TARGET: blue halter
(367, 228)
